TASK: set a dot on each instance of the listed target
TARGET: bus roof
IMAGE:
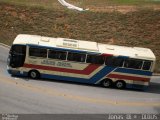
(132, 52)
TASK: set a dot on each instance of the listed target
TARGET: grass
(34, 3)
(82, 3)
(139, 28)
(134, 2)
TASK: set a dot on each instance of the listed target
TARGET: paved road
(23, 95)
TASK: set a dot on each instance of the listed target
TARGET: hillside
(139, 28)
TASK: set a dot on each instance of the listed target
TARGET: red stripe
(128, 77)
(88, 70)
(106, 55)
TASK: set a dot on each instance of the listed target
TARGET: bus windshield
(17, 56)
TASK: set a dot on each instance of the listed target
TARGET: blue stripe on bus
(102, 73)
(124, 57)
(137, 86)
(131, 71)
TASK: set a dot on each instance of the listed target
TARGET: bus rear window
(147, 65)
(38, 52)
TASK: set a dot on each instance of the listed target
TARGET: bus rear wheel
(120, 84)
(107, 83)
(34, 74)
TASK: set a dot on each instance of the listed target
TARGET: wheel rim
(33, 74)
(119, 85)
(106, 83)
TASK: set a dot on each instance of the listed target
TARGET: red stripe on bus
(128, 77)
(88, 70)
(106, 55)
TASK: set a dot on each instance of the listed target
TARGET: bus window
(147, 65)
(79, 57)
(38, 52)
(133, 63)
(95, 59)
(114, 61)
(57, 54)
(118, 62)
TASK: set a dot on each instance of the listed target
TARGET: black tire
(120, 84)
(34, 74)
(107, 83)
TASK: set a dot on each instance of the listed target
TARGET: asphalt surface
(23, 95)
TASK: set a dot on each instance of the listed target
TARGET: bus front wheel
(107, 83)
(120, 84)
(34, 74)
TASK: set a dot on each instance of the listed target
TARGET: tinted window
(95, 59)
(57, 54)
(18, 49)
(76, 57)
(37, 52)
(147, 65)
(17, 57)
(133, 63)
(114, 61)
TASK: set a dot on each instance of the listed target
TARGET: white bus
(81, 61)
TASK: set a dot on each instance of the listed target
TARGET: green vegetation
(34, 3)
(134, 2)
(82, 3)
(139, 28)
